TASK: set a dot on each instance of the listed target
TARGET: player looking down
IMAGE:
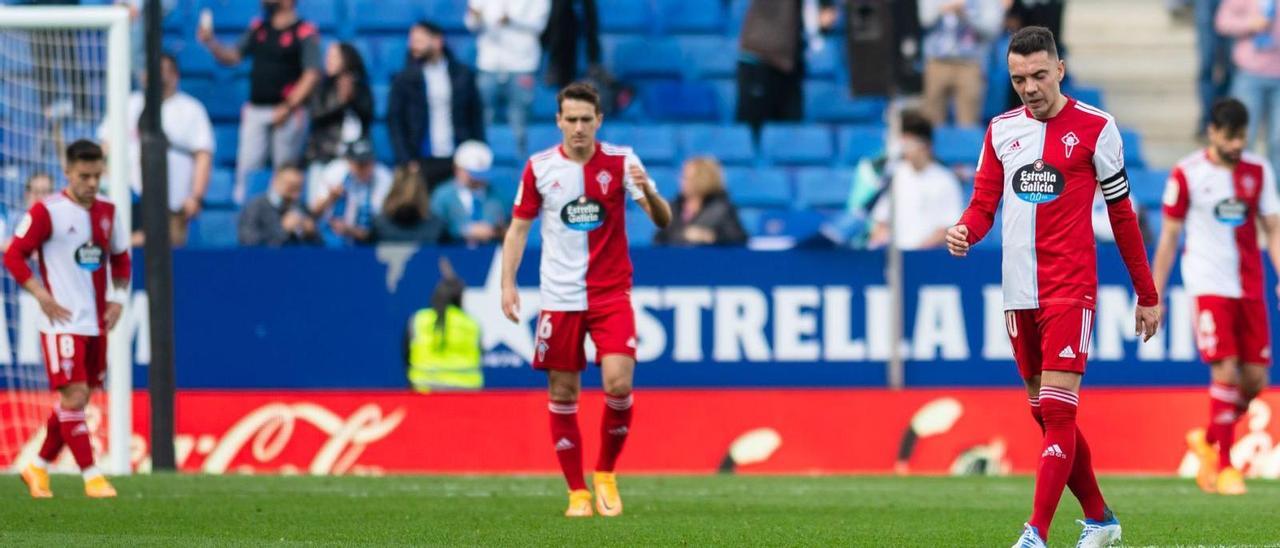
(1048, 158)
(579, 189)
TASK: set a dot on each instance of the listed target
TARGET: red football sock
(1082, 482)
(52, 437)
(1036, 414)
(1059, 409)
(1224, 411)
(567, 440)
(75, 433)
(613, 430)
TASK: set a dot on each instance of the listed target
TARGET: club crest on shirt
(105, 225)
(1038, 182)
(1249, 183)
(1070, 141)
(604, 179)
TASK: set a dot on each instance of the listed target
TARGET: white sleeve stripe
(1115, 186)
(1114, 192)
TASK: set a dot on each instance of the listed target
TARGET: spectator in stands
(38, 187)
(277, 218)
(472, 213)
(442, 347)
(352, 194)
(508, 54)
(434, 105)
(925, 195)
(1213, 50)
(570, 20)
(406, 213)
(286, 67)
(187, 128)
(957, 41)
(771, 65)
(341, 109)
(702, 214)
(1255, 26)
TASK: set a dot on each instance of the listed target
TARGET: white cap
(475, 157)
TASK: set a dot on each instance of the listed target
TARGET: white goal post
(90, 50)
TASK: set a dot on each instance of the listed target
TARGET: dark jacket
(260, 224)
(407, 109)
(327, 115)
(718, 214)
(773, 33)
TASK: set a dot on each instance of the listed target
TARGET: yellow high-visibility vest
(453, 365)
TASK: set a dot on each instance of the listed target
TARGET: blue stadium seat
(731, 145)
(1132, 148)
(797, 144)
(831, 103)
(463, 48)
(215, 229)
(750, 218)
(448, 14)
(692, 16)
(727, 90)
(381, 92)
(222, 97)
(794, 224)
(1147, 186)
(764, 188)
(710, 57)
(957, 145)
(1153, 217)
(221, 184)
(666, 180)
(178, 20)
(503, 143)
(825, 63)
(504, 181)
(673, 100)
(737, 13)
(544, 104)
(323, 13)
(654, 144)
(857, 142)
(1087, 95)
(382, 144)
(232, 15)
(624, 16)
(823, 188)
(193, 58)
(543, 136)
(257, 183)
(640, 229)
(385, 16)
(227, 138)
(392, 53)
(647, 58)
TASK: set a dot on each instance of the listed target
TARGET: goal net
(64, 75)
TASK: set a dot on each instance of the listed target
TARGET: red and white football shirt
(1220, 207)
(73, 246)
(584, 240)
(1047, 171)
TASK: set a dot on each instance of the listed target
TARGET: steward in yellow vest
(443, 350)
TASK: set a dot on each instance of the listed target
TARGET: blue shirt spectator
(466, 204)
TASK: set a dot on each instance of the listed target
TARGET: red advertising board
(688, 431)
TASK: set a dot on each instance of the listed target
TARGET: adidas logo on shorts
(1067, 353)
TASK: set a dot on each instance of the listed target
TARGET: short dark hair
(166, 56)
(915, 123)
(1230, 114)
(1030, 40)
(430, 27)
(84, 150)
(579, 91)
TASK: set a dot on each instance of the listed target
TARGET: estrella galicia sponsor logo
(583, 214)
(89, 257)
(1230, 212)
(1038, 182)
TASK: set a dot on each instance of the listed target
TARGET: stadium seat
(857, 142)
(178, 20)
(463, 48)
(215, 229)
(221, 184)
(737, 14)
(831, 103)
(666, 180)
(654, 144)
(624, 16)
(640, 229)
(232, 15)
(825, 63)
(193, 58)
(1147, 186)
(544, 106)
(1153, 218)
(1132, 148)
(797, 144)
(222, 97)
(542, 137)
(385, 16)
(957, 145)
(823, 188)
(647, 58)
(382, 144)
(323, 13)
(750, 218)
(691, 16)
(1087, 95)
(763, 188)
(710, 57)
(674, 100)
(793, 224)
(227, 138)
(381, 92)
(502, 141)
(448, 14)
(727, 91)
(504, 181)
(257, 183)
(731, 145)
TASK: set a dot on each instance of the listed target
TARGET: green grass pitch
(185, 510)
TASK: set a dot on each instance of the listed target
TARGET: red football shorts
(1050, 338)
(562, 335)
(1232, 328)
(74, 358)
